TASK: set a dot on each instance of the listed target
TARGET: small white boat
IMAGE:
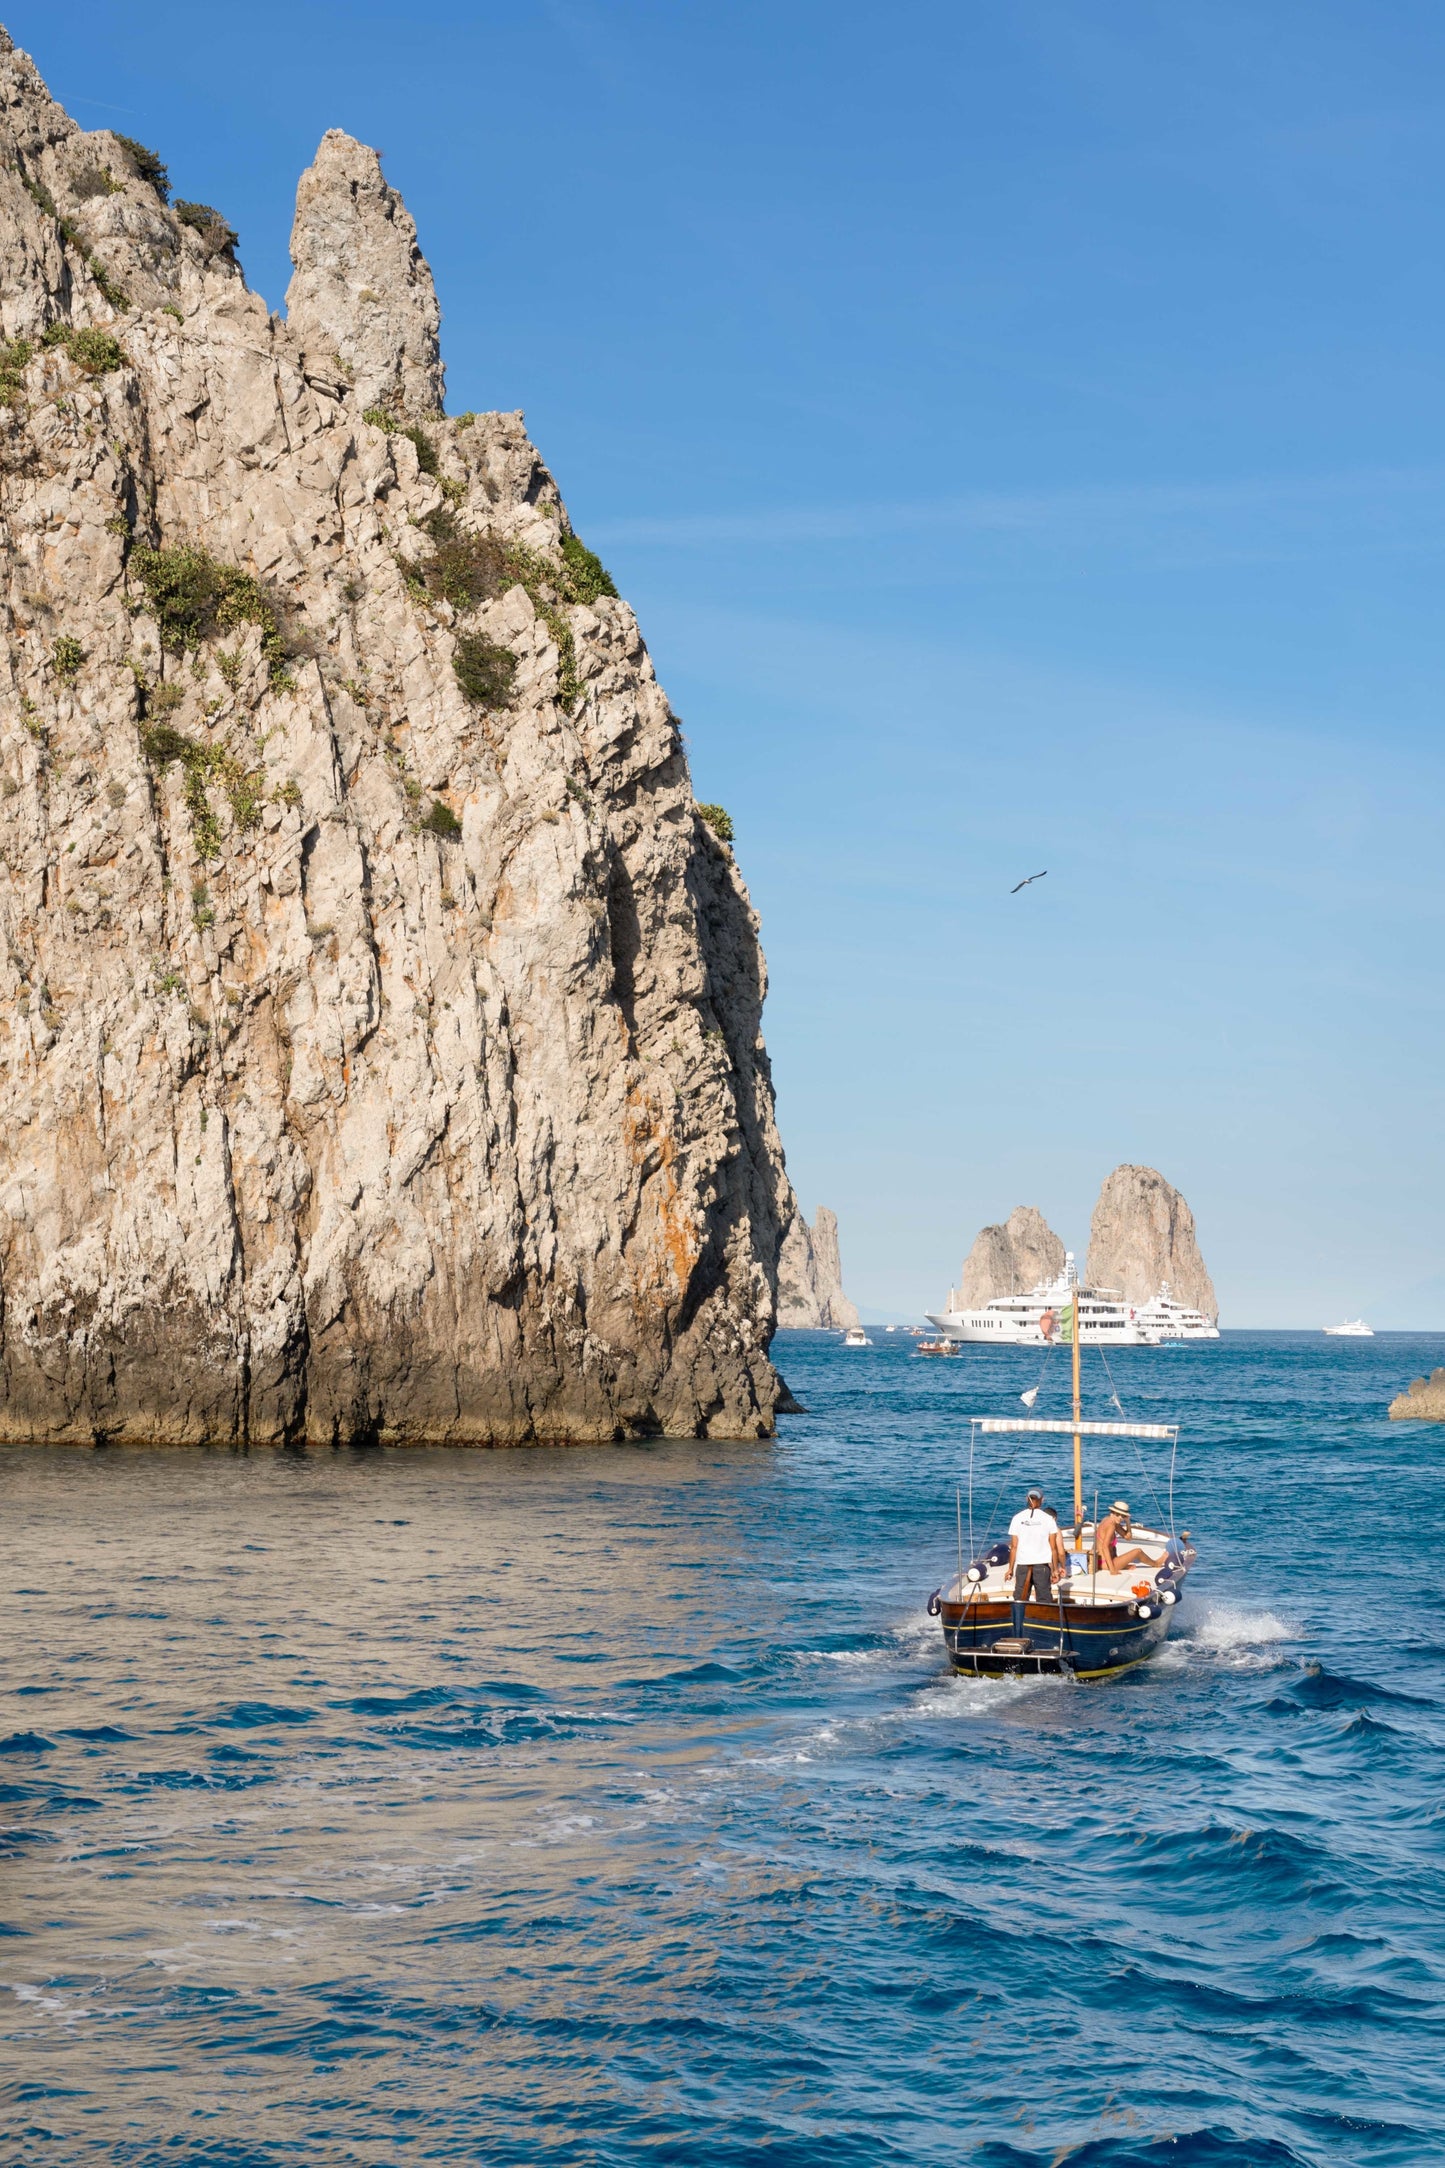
(1354, 1328)
(855, 1336)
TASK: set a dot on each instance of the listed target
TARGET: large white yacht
(1354, 1328)
(1169, 1319)
(1045, 1314)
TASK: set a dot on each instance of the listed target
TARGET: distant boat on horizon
(1354, 1328)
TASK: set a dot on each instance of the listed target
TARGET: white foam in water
(1239, 1636)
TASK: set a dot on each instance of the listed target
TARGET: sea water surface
(615, 1806)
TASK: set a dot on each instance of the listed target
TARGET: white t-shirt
(1033, 1528)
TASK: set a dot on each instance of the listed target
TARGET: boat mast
(1078, 1437)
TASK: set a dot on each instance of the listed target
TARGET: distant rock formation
(1422, 1402)
(1142, 1236)
(810, 1276)
(1010, 1259)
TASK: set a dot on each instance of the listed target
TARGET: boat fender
(1145, 1610)
(1168, 1595)
(977, 1572)
(998, 1556)
(934, 1606)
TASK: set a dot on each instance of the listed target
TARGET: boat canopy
(1169, 1431)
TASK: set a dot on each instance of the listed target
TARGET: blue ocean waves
(617, 1807)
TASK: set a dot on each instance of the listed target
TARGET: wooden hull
(1093, 1643)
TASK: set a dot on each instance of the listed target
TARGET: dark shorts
(1039, 1576)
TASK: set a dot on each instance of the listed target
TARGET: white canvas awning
(992, 1423)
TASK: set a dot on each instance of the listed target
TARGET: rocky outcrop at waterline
(1009, 1259)
(1142, 1238)
(381, 1020)
(1422, 1402)
(810, 1276)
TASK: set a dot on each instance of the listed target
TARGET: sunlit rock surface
(381, 1061)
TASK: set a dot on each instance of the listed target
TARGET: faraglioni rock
(1010, 1259)
(1142, 1238)
(810, 1276)
(1422, 1402)
(381, 1019)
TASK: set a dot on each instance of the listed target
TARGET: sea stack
(1010, 1259)
(381, 1017)
(1142, 1238)
(1422, 1402)
(810, 1276)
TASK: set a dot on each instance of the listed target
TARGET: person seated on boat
(1034, 1543)
(1116, 1527)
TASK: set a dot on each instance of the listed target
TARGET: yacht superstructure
(1169, 1319)
(1046, 1314)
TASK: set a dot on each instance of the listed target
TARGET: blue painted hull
(1095, 1643)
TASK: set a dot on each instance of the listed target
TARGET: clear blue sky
(1020, 431)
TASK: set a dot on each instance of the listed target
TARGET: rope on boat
(1144, 1472)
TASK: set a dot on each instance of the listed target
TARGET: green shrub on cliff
(220, 237)
(94, 351)
(441, 821)
(719, 820)
(191, 595)
(13, 361)
(147, 165)
(67, 658)
(467, 568)
(484, 671)
(587, 576)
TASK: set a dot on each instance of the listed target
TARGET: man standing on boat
(1034, 1544)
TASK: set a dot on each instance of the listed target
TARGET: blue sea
(615, 1806)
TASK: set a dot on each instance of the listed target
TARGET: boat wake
(1230, 1634)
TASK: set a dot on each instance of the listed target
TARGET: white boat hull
(997, 1331)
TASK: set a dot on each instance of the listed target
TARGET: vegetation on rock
(93, 181)
(14, 359)
(484, 670)
(719, 820)
(441, 821)
(219, 236)
(67, 659)
(192, 596)
(148, 166)
(588, 576)
(94, 351)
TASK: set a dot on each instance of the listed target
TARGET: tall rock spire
(1011, 1258)
(361, 288)
(1142, 1237)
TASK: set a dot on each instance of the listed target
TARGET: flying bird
(1024, 884)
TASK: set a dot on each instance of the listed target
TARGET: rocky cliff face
(810, 1276)
(1142, 1237)
(1010, 1259)
(379, 1020)
(1422, 1402)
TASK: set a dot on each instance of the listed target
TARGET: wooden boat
(939, 1347)
(1097, 1623)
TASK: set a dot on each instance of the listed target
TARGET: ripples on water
(610, 1806)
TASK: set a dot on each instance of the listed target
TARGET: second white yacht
(1046, 1314)
(1169, 1319)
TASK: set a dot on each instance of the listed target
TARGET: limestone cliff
(1142, 1238)
(1422, 1402)
(380, 1022)
(1010, 1259)
(810, 1276)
